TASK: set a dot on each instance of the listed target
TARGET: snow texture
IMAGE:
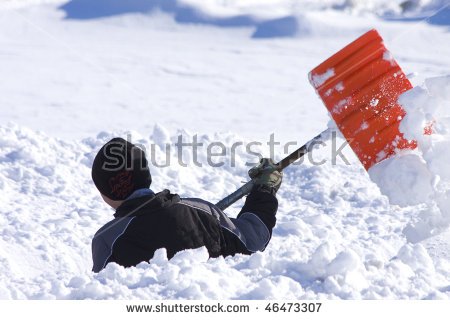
(336, 235)
(423, 175)
(81, 72)
(319, 79)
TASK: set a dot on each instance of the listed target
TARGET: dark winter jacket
(144, 224)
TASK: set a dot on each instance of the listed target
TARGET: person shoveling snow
(145, 221)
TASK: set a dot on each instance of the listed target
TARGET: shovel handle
(235, 196)
(294, 156)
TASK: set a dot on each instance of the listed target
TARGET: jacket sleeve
(104, 240)
(254, 223)
(263, 204)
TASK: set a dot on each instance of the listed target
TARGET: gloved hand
(267, 175)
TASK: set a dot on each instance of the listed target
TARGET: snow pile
(269, 18)
(422, 176)
(405, 179)
(336, 235)
(244, 13)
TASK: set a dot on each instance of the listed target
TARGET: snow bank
(405, 179)
(336, 235)
(422, 176)
(269, 18)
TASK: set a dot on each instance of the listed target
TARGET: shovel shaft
(235, 196)
(300, 152)
(294, 156)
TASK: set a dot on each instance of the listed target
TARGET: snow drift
(336, 235)
(269, 18)
(422, 176)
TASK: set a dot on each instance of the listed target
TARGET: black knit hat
(119, 169)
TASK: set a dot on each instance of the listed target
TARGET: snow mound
(269, 18)
(423, 175)
(336, 235)
(267, 23)
(405, 179)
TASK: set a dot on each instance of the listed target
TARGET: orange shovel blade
(360, 86)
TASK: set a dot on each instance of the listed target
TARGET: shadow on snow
(89, 9)
(439, 17)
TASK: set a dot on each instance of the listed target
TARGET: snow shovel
(360, 86)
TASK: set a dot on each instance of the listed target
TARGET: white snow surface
(422, 175)
(70, 84)
(336, 235)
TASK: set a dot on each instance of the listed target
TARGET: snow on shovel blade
(360, 86)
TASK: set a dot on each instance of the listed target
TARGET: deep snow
(421, 176)
(337, 235)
